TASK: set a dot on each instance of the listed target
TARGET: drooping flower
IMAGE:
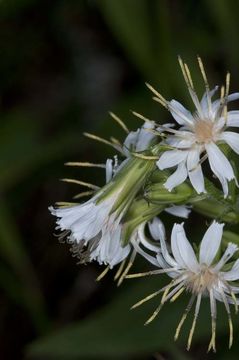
(199, 135)
(202, 274)
(94, 227)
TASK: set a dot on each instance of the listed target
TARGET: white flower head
(200, 275)
(199, 135)
(94, 227)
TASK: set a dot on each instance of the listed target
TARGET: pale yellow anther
(145, 299)
(119, 121)
(190, 337)
(104, 272)
(83, 183)
(119, 271)
(154, 314)
(176, 296)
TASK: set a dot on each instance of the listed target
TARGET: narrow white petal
(181, 142)
(230, 251)
(140, 251)
(171, 158)
(233, 118)
(232, 274)
(177, 178)
(210, 243)
(157, 229)
(232, 139)
(182, 249)
(218, 162)
(195, 170)
(140, 233)
(233, 97)
(179, 210)
(180, 113)
(204, 101)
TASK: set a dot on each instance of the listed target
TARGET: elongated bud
(216, 210)
(140, 211)
(230, 237)
(157, 193)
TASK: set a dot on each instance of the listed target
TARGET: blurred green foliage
(63, 65)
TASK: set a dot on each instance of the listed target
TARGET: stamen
(212, 344)
(154, 314)
(229, 316)
(230, 331)
(176, 296)
(188, 308)
(142, 117)
(222, 93)
(116, 142)
(119, 271)
(153, 272)
(79, 182)
(65, 204)
(164, 102)
(128, 267)
(226, 96)
(206, 83)
(104, 272)
(100, 139)
(147, 298)
(235, 301)
(197, 308)
(83, 194)
(85, 164)
(119, 121)
(189, 83)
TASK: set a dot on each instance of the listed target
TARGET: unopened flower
(199, 275)
(199, 135)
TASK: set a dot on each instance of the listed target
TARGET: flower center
(201, 281)
(204, 130)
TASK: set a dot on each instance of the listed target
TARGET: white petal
(233, 97)
(204, 101)
(233, 118)
(181, 142)
(109, 170)
(182, 249)
(139, 140)
(195, 171)
(144, 240)
(232, 274)
(230, 251)
(140, 251)
(232, 139)
(180, 113)
(210, 243)
(157, 229)
(218, 162)
(177, 178)
(171, 158)
(179, 210)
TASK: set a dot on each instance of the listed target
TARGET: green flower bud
(140, 211)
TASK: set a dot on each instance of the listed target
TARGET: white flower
(140, 139)
(92, 225)
(200, 275)
(200, 133)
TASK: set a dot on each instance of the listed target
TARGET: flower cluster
(121, 219)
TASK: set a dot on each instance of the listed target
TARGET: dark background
(64, 64)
